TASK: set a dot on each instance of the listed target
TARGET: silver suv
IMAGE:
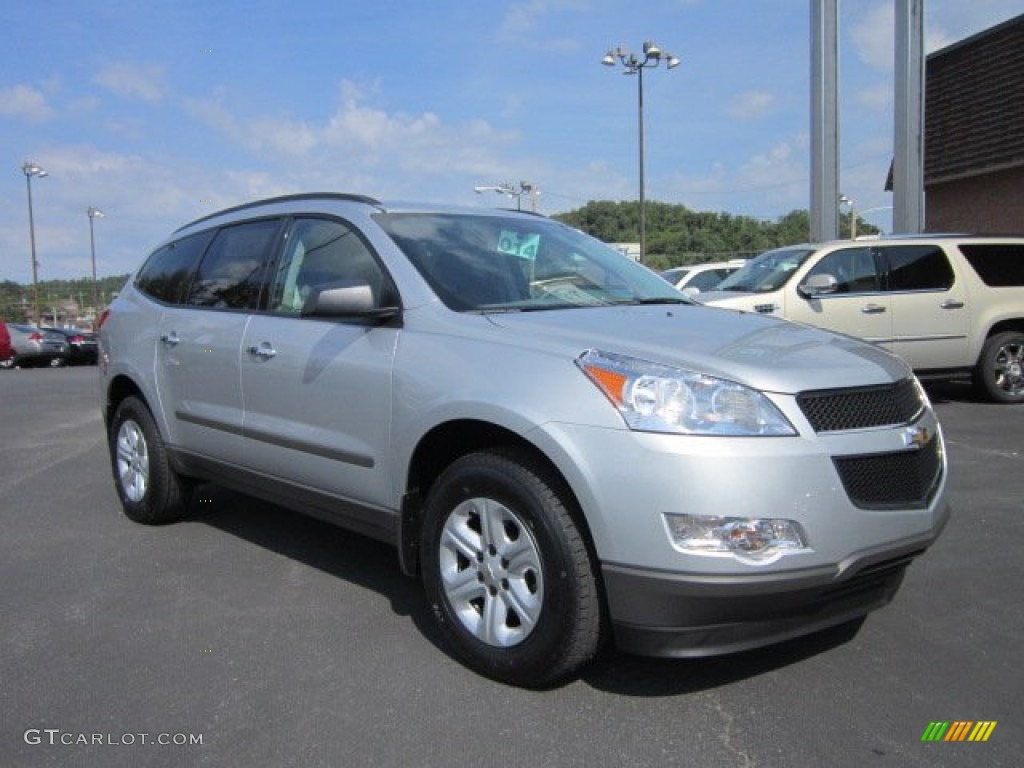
(555, 440)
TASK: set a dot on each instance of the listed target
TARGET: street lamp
(845, 200)
(634, 65)
(507, 188)
(32, 170)
(93, 213)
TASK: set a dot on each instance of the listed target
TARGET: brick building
(974, 133)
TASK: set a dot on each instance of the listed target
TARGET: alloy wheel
(491, 572)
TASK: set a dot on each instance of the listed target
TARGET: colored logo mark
(958, 730)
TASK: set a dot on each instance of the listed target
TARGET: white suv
(949, 305)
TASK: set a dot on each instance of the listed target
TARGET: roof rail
(287, 199)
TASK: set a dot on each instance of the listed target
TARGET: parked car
(694, 278)
(555, 440)
(82, 345)
(34, 347)
(6, 350)
(950, 305)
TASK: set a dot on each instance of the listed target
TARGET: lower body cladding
(688, 615)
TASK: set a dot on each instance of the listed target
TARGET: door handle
(872, 309)
(170, 339)
(952, 304)
(264, 351)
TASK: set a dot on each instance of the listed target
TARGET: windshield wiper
(639, 301)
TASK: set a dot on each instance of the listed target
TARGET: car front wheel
(151, 492)
(507, 571)
(1000, 371)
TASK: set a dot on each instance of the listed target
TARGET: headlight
(658, 398)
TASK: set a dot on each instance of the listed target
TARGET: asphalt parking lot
(251, 636)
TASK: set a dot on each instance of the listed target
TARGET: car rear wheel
(1000, 371)
(151, 492)
(507, 571)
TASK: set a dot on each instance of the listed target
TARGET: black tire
(999, 375)
(151, 492)
(506, 503)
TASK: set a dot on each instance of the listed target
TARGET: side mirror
(351, 299)
(818, 285)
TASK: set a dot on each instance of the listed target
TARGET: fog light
(759, 540)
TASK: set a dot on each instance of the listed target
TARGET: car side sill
(376, 522)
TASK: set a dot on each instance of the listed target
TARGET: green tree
(677, 235)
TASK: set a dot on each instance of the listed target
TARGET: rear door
(199, 341)
(930, 315)
(318, 392)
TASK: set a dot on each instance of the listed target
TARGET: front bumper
(694, 615)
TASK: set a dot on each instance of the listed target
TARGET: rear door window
(918, 268)
(229, 274)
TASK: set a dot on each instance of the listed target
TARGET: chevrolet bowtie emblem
(917, 437)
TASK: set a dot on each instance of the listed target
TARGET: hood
(761, 352)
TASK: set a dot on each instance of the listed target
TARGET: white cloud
(525, 17)
(963, 18)
(873, 35)
(782, 165)
(132, 80)
(25, 103)
(873, 31)
(751, 105)
(524, 24)
(360, 137)
(877, 98)
(766, 182)
(213, 113)
(289, 138)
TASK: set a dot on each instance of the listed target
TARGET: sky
(160, 112)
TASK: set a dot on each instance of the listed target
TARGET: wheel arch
(120, 388)
(1010, 324)
(449, 441)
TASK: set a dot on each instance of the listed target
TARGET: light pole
(32, 170)
(844, 199)
(93, 213)
(507, 188)
(634, 65)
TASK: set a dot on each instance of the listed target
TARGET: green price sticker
(515, 244)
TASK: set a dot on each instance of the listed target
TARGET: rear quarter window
(166, 273)
(229, 274)
(999, 265)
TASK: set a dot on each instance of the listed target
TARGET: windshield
(767, 272)
(506, 263)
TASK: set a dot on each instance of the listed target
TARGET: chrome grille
(889, 480)
(833, 410)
